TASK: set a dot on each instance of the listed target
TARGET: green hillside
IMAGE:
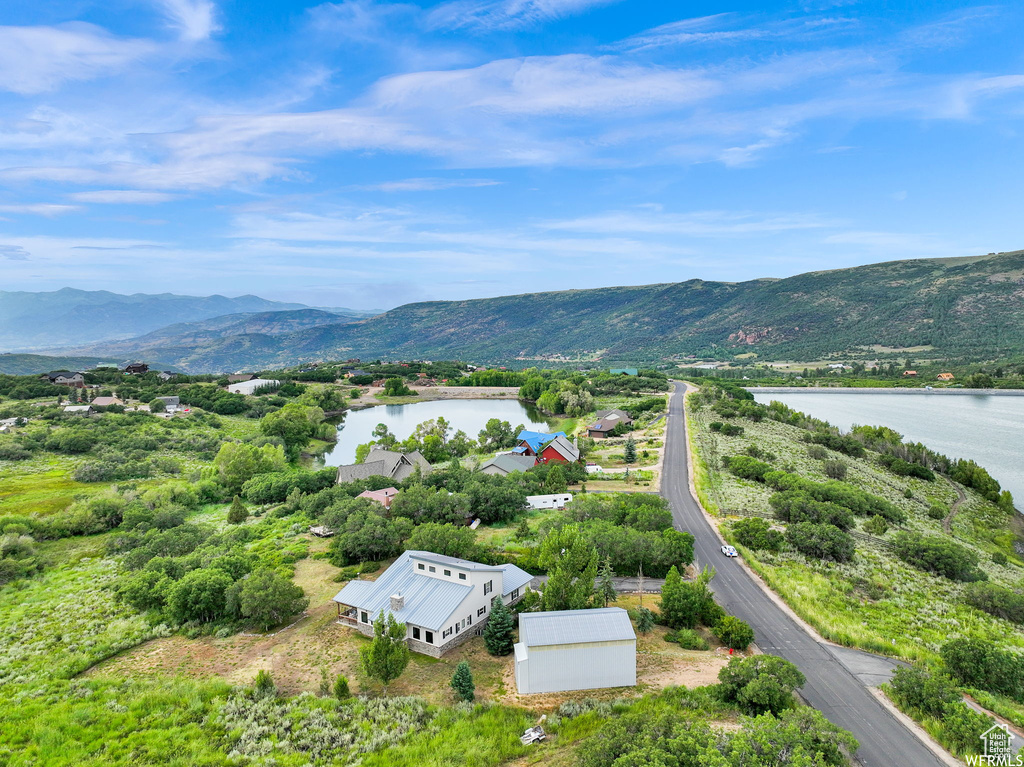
(29, 364)
(963, 307)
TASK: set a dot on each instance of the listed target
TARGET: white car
(730, 551)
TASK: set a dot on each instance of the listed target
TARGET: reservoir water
(986, 429)
(469, 415)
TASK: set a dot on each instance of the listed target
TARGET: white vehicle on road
(730, 551)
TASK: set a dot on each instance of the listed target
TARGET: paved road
(831, 687)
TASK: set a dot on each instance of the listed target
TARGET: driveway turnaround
(831, 687)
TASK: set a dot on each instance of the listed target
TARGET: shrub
(264, 686)
(826, 542)
(268, 598)
(755, 533)
(999, 558)
(835, 469)
(341, 691)
(876, 525)
(688, 639)
(644, 619)
(817, 452)
(237, 513)
(918, 689)
(850, 446)
(731, 430)
(759, 684)
(937, 512)
(462, 682)
(903, 468)
(840, 493)
(797, 506)
(734, 633)
(996, 600)
(746, 467)
(978, 663)
(937, 555)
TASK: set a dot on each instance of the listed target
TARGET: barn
(575, 650)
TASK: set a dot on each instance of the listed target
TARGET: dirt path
(947, 523)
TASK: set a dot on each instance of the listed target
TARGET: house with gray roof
(606, 421)
(503, 465)
(443, 601)
(575, 650)
(384, 463)
(66, 378)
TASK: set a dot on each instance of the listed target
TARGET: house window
(421, 566)
(415, 632)
(458, 626)
(462, 576)
(429, 637)
(515, 594)
(481, 611)
(433, 569)
(448, 573)
(364, 617)
(469, 621)
(488, 587)
(446, 633)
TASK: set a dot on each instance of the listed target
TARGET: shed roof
(608, 624)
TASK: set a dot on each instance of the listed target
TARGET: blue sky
(368, 154)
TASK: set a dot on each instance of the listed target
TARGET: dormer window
(448, 573)
(462, 576)
(421, 566)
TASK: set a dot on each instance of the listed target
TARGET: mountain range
(70, 317)
(970, 308)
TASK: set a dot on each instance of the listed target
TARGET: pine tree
(571, 563)
(523, 530)
(605, 584)
(644, 620)
(341, 691)
(237, 513)
(462, 682)
(498, 633)
(387, 656)
(676, 610)
(555, 483)
(630, 454)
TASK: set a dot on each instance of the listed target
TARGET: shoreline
(880, 390)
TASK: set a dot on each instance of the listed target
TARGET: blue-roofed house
(443, 601)
(531, 442)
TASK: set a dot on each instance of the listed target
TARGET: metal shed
(575, 650)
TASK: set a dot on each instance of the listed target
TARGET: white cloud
(506, 14)
(122, 196)
(428, 184)
(40, 59)
(39, 209)
(195, 20)
(14, 253)
(713, 223)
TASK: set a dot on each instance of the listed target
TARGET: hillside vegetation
(964, 307)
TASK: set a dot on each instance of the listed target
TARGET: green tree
(446, 539)
(268, 598)
(158, 406)
(499, 633)
(264, 686)
(237, 514)
(236, 463)
(294, 424)
(799, 736)
(496, 435)
(760, 683)
(395, 387)
(555, 482)
(341, 691)
(605, 585)
(199, 596)
(462, 682)
(644, 619)
(734, 633)
(386, 657)
(683, 605)
(630, 450)
(571, 564)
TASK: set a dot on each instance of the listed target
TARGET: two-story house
(442, 600)
(66, 378)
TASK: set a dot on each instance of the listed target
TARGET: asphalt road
(831, 686)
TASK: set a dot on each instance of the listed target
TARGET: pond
(469, 415)
(987, 429)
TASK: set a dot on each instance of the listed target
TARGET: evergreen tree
(498, 633)
(237, 513)
(571, 563)
(264, 686)
(523, 530)
(555, 483)
(387, 655)
(605, 585)
(630, 453)
(462, 682)
(644, 620)
(341, 691)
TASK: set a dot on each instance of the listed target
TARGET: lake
(469, 415)
(986, 429)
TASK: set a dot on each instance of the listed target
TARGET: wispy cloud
(506, 14)
(14, 253)
(122, 197)
(40, 59)
(39, 209)
(428, 184)
(194, 20)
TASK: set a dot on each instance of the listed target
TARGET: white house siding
(584, 666)
(556, 501)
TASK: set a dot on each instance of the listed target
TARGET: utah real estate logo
(997, 749)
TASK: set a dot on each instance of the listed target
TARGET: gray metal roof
(385, 463)
(513, 578)
(607, 624)
(429, 602)
(510, 463)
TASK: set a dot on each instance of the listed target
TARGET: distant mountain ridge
(970, 307)
(69, 317)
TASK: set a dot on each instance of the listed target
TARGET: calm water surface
(989, 430)
(469, 415)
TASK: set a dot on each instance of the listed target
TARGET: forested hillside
(963, 307)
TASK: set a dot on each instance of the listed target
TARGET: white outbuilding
(575, 650)
(550, 501)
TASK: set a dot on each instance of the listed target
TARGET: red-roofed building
(383, 497)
